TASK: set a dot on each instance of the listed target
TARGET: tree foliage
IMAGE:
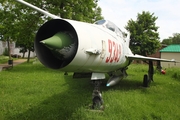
(175, 39)
(7, 23)
(81, 10)
(167, 41)
(143, 34)
(6, 20)
(20, 23)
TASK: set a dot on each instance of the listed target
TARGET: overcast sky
(167, 11)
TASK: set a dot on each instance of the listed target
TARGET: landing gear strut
(97, 96)
(148, 78)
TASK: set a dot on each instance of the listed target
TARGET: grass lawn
(34, 92)
(4, 59)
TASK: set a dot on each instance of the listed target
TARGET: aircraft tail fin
(38, 9)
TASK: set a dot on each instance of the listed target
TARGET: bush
(6, 53)
(176, 75)
(15, 56)
(3, 59)
(174, 72)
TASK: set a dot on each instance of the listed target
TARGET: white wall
(4, 45)
(14, 50)
(170, 56)
(1, 48)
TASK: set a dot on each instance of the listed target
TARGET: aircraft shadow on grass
(64, 104)
(59, 106)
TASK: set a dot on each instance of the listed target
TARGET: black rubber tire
(96, 103)
(145, 81)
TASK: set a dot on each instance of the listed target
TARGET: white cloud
(120, 11)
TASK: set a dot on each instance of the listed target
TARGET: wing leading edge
(140, 57)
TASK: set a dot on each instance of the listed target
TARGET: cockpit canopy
(111, 26)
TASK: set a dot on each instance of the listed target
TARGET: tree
(167, 41)
(175, 39)
(7, 23)
(143, 34)
(1, 36)
(17, 24)
(27, 27)
(81, 10)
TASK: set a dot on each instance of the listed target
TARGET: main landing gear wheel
(148, 78)
(97, 96)
(145, 81)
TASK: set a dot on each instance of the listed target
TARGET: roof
(171, 48)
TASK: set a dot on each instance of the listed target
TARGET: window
(110, 26)
(100, 22)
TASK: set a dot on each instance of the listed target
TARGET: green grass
(4, 59)
(33, 92)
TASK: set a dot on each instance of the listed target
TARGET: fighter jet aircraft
(79, 47)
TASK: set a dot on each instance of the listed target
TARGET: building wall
(170, 56)
(1, 48)
(4, 45)
(14, 50)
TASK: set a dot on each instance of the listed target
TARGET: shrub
(176, 75)
(6, 52)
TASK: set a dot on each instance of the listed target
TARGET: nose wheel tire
(97, 103)
(97, 99)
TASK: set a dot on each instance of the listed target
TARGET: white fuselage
(111, 47)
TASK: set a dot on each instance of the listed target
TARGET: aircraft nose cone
(57, 41)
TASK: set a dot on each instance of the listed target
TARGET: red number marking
(110, 51)
(113, 57)
(114, 52)
(119, 53)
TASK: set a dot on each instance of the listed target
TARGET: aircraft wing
(39, 9)
(140, 57)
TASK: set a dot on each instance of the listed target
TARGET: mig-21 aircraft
(79, 47)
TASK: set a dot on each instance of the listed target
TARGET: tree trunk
(9, 49)
(23, 54)
(28, 55)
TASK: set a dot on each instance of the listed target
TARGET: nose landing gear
(97, 96)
